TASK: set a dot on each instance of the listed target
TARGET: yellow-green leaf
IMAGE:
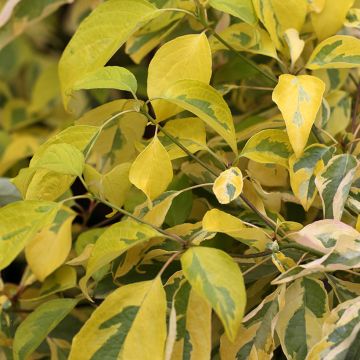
(295, 44)
(331, 18)
(152, 171)
(268, 147)
(19, 223)
(228, 185)
(219, 221)
(243, 9)
(185, 57)
(34, 329)
(129, 324)
(61, 158)
(206, 103)
(98, 37)
(189, 131)
(49, 249)
(117, 239)
(339, 51)
(299, 99)
(216, 277)
(109, 77)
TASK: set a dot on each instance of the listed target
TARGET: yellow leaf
(49, 249)
(185, 57)
(299, 99)
(228, 185)
(152, 171)
(129, 324)
(278, 16)
(295, 44)
(217, 278)
(331, 18)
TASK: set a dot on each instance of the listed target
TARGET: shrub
(199, 197)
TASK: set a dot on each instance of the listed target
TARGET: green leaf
(206, 103)
(299, 99)
(98, 37)
(299, 325)
(268, 147)
(339, 51)
(303, 170)
(334, 182)
(131, 321)
(243, 9)
(109, 77)
(185, 57)
(228, 185)
(340, 335)
(115, 240)
(34, 329)
(217, 278)
(61, 158)
(19, 223)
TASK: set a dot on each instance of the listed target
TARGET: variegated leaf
(130, 315)
(300, 322)
(304, 169)
(268, 147)
(340, 333)
(206, 103)
(256, 336)
(217, 278)
(339, 51)
(334, 182)
(228, 185)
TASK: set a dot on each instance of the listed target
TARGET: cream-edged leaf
(268, 147)
(206, 103)
(19, 223)
(108, 77)
(300, 322)
(133, 314)
(303, 171)
(98, 37)
(216, 277)
(295, 44)
(334, 182)
(185, 57)
(339, 51)
(228, 185)
(34, 329)
(152, 170)
(299, 99)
